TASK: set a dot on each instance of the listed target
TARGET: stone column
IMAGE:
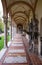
(11, 29)
(12, 32)
(40, 35)
(5, 31)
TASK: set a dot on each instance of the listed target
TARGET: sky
(1, 10)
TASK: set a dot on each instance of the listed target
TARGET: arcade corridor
(25, 18)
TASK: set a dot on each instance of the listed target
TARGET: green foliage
(2, 41)
(1, 25)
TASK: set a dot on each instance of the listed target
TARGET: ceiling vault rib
(35, 4)
(4, 3)
(18, 2)
(18, 7)
(21, 17)
(18, 21)
(18, 12)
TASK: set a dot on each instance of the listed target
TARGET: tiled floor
(33, 58)
(16, 54)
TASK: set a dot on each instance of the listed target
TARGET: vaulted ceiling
(19, 10)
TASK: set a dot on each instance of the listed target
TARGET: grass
(2, 41)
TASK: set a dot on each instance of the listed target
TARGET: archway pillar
(5, 18)
(35, 33)
(11, 29)
(14, 29)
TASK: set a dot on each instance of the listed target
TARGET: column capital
(5, 18)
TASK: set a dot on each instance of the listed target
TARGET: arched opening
(19, 28)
